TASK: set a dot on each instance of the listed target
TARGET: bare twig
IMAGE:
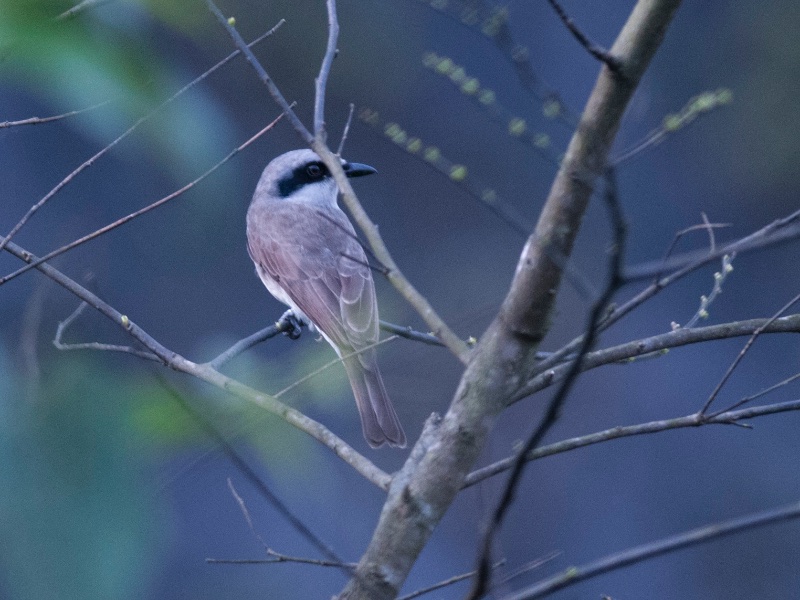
(269, 332)
(245, 512)
(41, 120)
(80, 7)
(783, 229)
(439, 328)
(88, 163)
(140, 212)
(598, 52)
(553, 411)
(255, 480)
(758, 394)
(744, 351)
(361, 464)
(445, 583)
(346, 130)
(613, 562)
(66, 323)
(262, 74)
(658, 343)
(324, 72)
(329, 364)
(693, 420)
(277, 557)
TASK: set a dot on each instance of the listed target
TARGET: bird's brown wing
(321, 266)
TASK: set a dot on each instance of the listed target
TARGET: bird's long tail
(378, 419)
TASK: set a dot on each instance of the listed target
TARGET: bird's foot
(291, 326)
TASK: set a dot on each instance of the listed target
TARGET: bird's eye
(313, 171)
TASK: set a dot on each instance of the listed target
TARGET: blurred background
(108, 486)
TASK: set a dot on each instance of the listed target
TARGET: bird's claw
(290, 325)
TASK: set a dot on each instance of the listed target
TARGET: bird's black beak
(352, 169)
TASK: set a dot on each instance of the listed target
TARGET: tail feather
(378, 418)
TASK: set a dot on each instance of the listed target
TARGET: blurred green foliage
(76, 520)
(104, 54)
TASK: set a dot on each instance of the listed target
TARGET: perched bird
(308, 256)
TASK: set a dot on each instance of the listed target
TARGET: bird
(308, 256)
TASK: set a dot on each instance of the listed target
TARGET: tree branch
(693, 420)
(333, 162)
(175, 361)
(425, 487)
(679, 541)
(324, 71)
(89, 162)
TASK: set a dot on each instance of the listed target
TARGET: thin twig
(613, 562)
(140, 212)
(598, 52)
(273, 89)
(655, 344)
(277, 557)
(693, 420)
(553, 411)
(66, 323)
(780, 230)
(744, 351)
(527, 568)
(255, 480)
(759, 394)
(172, 359)
(439, 328)
(324, 72)
(446, 583)
(331, 363)
(41, 120)
(79, 7)
(88, 163)
(346, 130)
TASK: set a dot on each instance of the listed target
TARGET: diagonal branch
(694, 420)
(422, 491)
(675, 542)
(439, 328)
(205, 372)
(90, 161)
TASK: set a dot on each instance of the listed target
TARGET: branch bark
(423, 490)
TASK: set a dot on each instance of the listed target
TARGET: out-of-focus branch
(89, 162)
(42, 120)
(119, 222)
(574, 575)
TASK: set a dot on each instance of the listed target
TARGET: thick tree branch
(434, 473)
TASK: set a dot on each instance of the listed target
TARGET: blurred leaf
(76, 520)
(110, 53)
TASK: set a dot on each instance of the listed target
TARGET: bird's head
(301, 175)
